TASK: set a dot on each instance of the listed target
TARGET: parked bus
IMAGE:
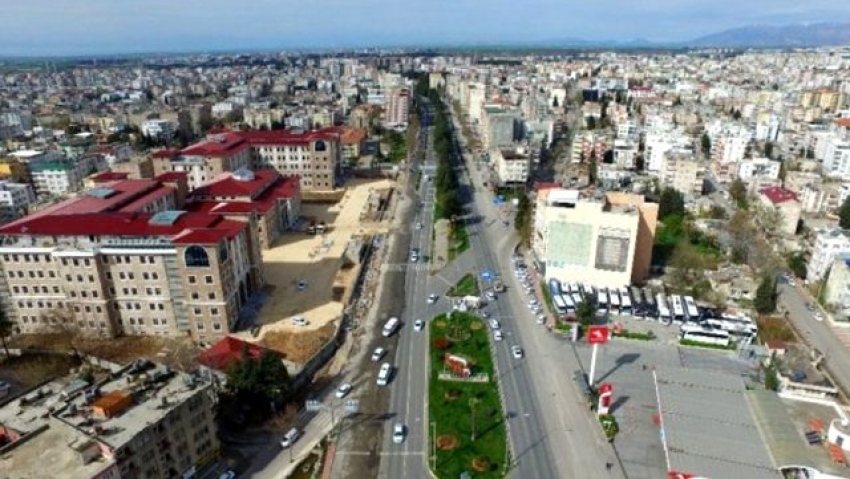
(700, 334)
(559, 303)
(614, 301)
(573, 288)
(626, 308)
(577, 298)
(739, 327)
(691, 309)
(602, 301)
(663, 309)
(638, 305)
(650, 303)
(554, 287)
(568, 300)
(678, 308)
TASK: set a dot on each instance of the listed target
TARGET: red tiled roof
(149, 198)
(842, 122)
(778, 195)
(285, 187)
(165, 153)
(222, 144)
(125, 191)
(109, 176)
(229, 349)
(210, 228)
(172, 176)
(227, 185)
(287, 137)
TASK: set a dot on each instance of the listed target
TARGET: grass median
(467, 286)
(462, 409)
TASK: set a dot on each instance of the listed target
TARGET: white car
(498, 336)
(485, 314)
(378, 353)
(533, 302)
(536, 309)
(495, 324)
(343, 390)
(490, 295)
(418, 325)
(516, 351)
(398, 433)
(419, 226)
(541, 318)
(299, 321)
(432, 298)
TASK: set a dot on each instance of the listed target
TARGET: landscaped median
(467, 286)
(463, 402)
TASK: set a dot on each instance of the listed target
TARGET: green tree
(7, 327)
(258, 382)
(522, 220)
(844, 214)
(738, 192)
(586, 309)
(797, 263)
(765, 300)
(672, 203)
(706, 144)
(717, 212)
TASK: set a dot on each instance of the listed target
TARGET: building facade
(512, 165)
(397, 108)
(829, 244)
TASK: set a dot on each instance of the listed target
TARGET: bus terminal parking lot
(627, 365)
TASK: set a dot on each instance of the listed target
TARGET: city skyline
(104, 27)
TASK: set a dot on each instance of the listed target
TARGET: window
(154, 276)
(208, 279)
(32, 274)
(121, 275)
(91, 278)
(86, 262)
(212, 295)
(161, 307)
(40, 273)
(76, 262)
(199, 326)
(56, 289)
(51, 274)
(144, 276)
(214, 311)
(98, 309)
(195, 295)
(196, 311)
(151, 260)
(196, 257)
(109, 276)
(191, 280)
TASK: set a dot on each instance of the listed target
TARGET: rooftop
(778, 195)
(220, 144)
(708, 429)
(229, 349)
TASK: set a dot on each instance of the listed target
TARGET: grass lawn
(459, 241)
(467, 286)
(449, 402)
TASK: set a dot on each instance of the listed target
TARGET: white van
(390, 327)
(290, 437)
(384, 374)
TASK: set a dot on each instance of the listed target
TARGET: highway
(552, 432)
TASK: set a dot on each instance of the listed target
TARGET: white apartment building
(476, 96)
(836, 158)
(15, 199)
(57, 178)
(512, 165)
(682, 172)
(158, 129)
(397, 108)
(727, 151)
(657, 144)
(627, 129)
(625, 153)
(829, 244)
(762, 168)
(602, 241)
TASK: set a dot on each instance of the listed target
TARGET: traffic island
(467, 424)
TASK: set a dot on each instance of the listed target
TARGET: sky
(87, 27)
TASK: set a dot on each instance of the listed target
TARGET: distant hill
(802, 35)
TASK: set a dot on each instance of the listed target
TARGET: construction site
(311, 273)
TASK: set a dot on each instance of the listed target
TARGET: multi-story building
(836, 292)
(836, 158)
(57, 178)
(144, 421)
(15, 200)
(829, 244)
(206, 159)
(625, 154)
(272, 199)
(512, 165)
(314, 156)
(161, 129)
(761, 168)
(397, 108)
(499, 127)
(656, 147)
(726, 152)
(786, 204)
(683, 172)
(596, 239)
(120, 259)
(825, 198)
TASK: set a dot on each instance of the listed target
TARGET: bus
(602, 301)
(649, 303)
(700, 334)
(573, 288)
(638, 305)
(554, 287)
(559, 303)
(663, 309)
(678, 308)
(568, 300)
(739, 327)
(577, 298)
(625, 302)
(691, 309)
(614, 301)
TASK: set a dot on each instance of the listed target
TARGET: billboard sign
(598, 334)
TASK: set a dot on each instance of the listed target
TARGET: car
(516, 351)
(300, 321)
(485, 314)
(541, 318)
(533, 302)
(290, 437)
(536, 309)
(398, 433)
(490, 295)
(384, 374)
(419, 226)
(227, 475)
(378, 353)
(418, 325)
(810, 307)
(432, 298)
(497, 335)
(343, 390)
(495, 324)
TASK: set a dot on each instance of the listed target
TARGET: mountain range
(753, 36)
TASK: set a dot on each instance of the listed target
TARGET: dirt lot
(27, 371)
(298, 347)
(315, 261)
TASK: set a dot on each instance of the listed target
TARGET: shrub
(442, 343)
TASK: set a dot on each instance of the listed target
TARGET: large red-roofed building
(786, 204)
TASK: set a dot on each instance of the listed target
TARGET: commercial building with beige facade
(122, 259)
(594, 238)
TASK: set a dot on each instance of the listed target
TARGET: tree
(586, 309)
(797, 263)
(593, 169)
(765, 300)
(672, 203)
(738, 192)
(7, 327)
(717, 212)
(258, 382)
(768, 149)
(844, 214)
(522, 220)
(736, 114)
(706, 144)
(688, 265)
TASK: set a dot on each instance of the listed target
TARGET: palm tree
(7, 327)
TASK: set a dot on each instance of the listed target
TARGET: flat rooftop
(708, 426)
(51, 454)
